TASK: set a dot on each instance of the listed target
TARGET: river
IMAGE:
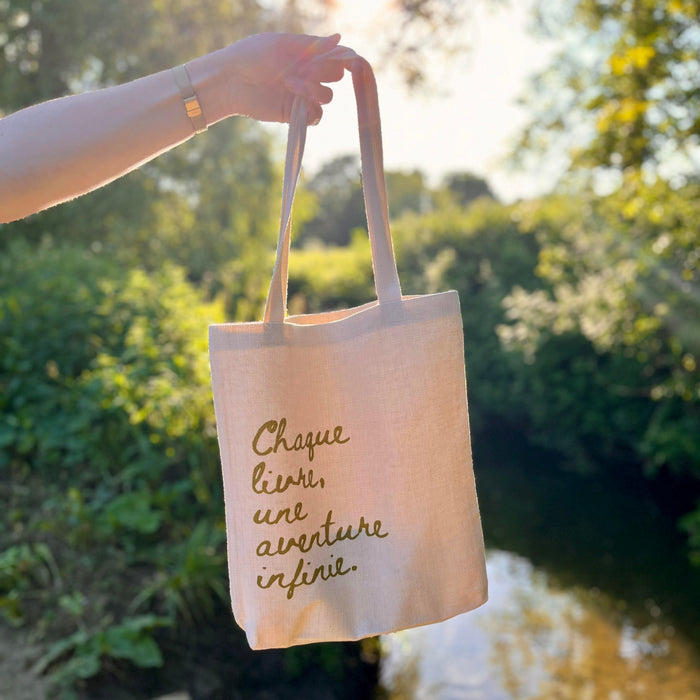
(591, 595)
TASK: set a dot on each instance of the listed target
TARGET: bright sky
(465, 124)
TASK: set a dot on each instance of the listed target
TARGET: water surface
(534, 639)
(591, 595)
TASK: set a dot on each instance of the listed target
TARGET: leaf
(146, 654)
(132, 511)
(129, 642)
(7, 435)
(58, 649)
(85, 666)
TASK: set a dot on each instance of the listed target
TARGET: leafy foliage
(340, 208)
(23, 567)
(108, 437)
(338, 204)
(626, 83)
(131, 640)
(322, 278)
(466, 188)
(691, 524)
(622, 276)
(621, 269)
(51, 47)
(82, 363)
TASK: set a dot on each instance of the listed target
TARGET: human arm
(58, 150)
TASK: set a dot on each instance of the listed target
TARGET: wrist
(208, 80)
(190, 99)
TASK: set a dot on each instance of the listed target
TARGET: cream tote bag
(350, 500)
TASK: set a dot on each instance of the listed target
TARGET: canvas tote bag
(350, 500)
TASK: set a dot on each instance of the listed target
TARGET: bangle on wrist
(189, 98)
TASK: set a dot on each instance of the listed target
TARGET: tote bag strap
(386, 277)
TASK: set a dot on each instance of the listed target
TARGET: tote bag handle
(386, 278)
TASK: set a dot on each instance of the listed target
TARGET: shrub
(108, 441)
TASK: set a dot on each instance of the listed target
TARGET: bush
(108, 440)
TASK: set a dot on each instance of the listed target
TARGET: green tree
(340, 206)
(51, 47)
(340, 209)
(407, 191)
(466, 188)
(625, 90)
(620, 269)
(621, 276)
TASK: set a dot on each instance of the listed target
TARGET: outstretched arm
(60, 149)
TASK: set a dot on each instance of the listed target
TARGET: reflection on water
(536, 640)
(591, 593)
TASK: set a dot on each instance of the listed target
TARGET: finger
(309, 90)
(321, 70)
(301, 47)
(322, 45)
(319, 93)
(342, 53)
(330, 67)
(314, 114)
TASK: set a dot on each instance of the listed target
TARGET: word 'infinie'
(303, 578)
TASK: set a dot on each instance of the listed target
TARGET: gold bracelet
(189, 97)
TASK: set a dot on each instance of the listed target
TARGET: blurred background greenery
(580, 306)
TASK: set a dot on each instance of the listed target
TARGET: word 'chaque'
(308, 441)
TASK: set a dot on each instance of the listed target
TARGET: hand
(260, 75)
